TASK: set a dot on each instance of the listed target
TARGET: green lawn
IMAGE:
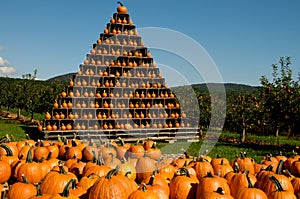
(11, 128)
(228, 150)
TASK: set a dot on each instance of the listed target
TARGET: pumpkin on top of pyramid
(118, 91)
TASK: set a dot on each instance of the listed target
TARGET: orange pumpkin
(113, 186)
(121, 8)
(144, 193)
(183, 186)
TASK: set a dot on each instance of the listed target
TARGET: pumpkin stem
(143, 187)
(74, 143)
(38, 188)
(184, 171)
(246, 171)
(276, 183)
(279, 168)
(62, 169)
(127, 174)
(94, 156)
(100, 160)
(250, 185)
(120, 3)
(7, 149)
(236, 167)
(29, 158)
(59, 138)
(270, 167)
(112, 172)
(209, 174)
(27, 136)
(65, 192)
(49, 155)
(24, 179)
(220, 191)
(122, 141)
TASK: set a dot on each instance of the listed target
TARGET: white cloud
(6, 68)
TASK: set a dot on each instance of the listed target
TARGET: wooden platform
(167, 135)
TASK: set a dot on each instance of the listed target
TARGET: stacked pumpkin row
(76, 169)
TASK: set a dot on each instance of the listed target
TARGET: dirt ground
(6, 115)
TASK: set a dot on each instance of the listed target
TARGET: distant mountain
(64, 77)
(229, 87)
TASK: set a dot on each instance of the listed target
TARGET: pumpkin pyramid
(118, 92)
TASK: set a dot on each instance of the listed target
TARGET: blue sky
(243, 38)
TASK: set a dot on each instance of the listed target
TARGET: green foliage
(280, 98)
(29, 94)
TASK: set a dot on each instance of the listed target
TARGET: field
(227, 145)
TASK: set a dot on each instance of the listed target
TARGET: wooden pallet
(168, 135)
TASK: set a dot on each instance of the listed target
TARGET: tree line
(271, 109)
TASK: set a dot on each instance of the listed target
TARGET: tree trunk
(31, 116)
(243, 135)
(19, 113)
(277, 132)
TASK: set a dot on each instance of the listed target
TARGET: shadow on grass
(33, 132)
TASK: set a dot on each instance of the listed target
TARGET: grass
(256, 149)
(11, 128)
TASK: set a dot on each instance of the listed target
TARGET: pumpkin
(112, 162)
(21, 190)
(39, 194)
(219, 194)
(5, 171)
(24, 150)
(240, 180)
(202, 167)
(65, 193)
(211, 183)
(88, 181)
(268, 186)
(127, 170)
(222, 169)
(143, 193)
(111, 186)
(121, 149)
(183, 186)
(137, 150)
(166, 170)
(12, 147)
(245, 163)
(76, 190)
(107, 151)
(148, 144)
(250, 191)
(144, 168)
(121, 8)
(54, 150)
(77, 168)
(30, 169)
(97, 168)
(54, 182)
(158, 184)
(217, 160)
(74, 151)
(280, 192)
(154, 152)
(89, 152)
(8, 157)
(40, 152)
(269, 159)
